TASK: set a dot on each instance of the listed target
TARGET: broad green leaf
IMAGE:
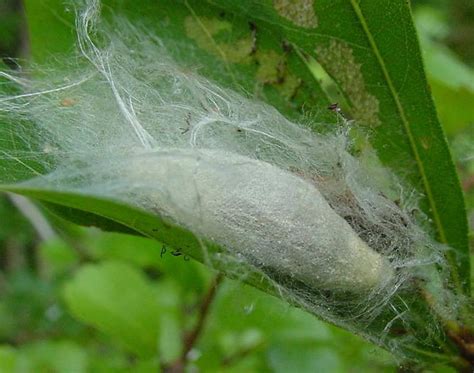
(57, 257)
(267, 67)
(153, 226)
(136, 250)
(44, 356)
(121, 217)
(85, 218)
(9, 359)
(115, 298)
(303, 357)
(55, 356)
(171, 322)
(244, 319)
(370, 50)
(111, 213)
(50, 28)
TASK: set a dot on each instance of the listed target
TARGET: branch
(191, 338)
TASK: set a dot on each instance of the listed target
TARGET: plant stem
(191, 338)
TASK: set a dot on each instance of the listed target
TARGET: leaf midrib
(414, 148)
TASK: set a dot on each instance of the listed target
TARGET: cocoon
(270, 216)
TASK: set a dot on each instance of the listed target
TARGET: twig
(34, 215)
(191, 338)
(40, 224)
(239, 355)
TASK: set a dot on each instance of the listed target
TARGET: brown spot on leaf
(204, 30)
(300, 12)
(339, 62)
(273, 70)
(425, 142)
(68, 102)
(272, 66)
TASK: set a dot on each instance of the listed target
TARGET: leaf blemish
(272, 68)
(339, 62)
(425, 142)
(300, 12)
(204, 31)
(68, 102)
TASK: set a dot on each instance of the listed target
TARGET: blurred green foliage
(112, 302)
(449, 66)
(88, 301)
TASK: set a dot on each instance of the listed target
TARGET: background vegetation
(75, 299)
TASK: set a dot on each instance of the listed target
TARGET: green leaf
(110, 213)
(59, 35)
(155, 227)
(303, 357)
(9, 359)
(371, 51)
(115, 298)
(57, 257)
(84, 218)
(136, 250)
(44, 356)
(244, 319)
(55, 356)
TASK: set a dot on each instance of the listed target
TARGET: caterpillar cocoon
(270, 216)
